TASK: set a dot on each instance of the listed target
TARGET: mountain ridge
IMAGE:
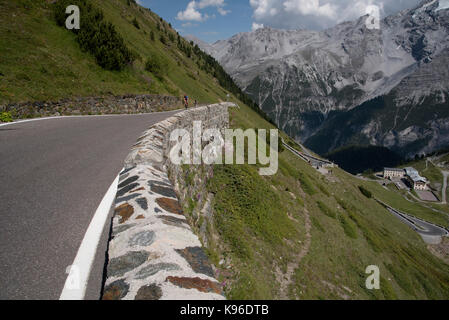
(324, 219)
(300, 78)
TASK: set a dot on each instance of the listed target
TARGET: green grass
(365, 192)
(5, 117)
(42, 61)
(397, 201)
(432, 212)
(445, 158)
(348, 226)
(249, 201)
(259, 224)
(349, 232)
(326, 210)
(429, 171)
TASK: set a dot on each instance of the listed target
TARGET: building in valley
(416, 181)
(410, 174)
(390, 173)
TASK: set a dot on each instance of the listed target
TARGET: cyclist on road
(186, 101)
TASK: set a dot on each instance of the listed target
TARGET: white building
(411, 174)
(393, 173)
(418, 182)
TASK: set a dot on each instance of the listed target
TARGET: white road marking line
(88, 116)
(76, 283)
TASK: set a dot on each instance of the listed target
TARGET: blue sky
(212, 20)
(215, 27)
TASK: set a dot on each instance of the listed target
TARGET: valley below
(363, 98)
(351, 85)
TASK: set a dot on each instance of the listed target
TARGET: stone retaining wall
(94, 106)
(153, 253)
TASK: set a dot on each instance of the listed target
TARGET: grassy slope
(429, 171)
(348, 233)
(395, 199)
(445, 159)
(41, 61)
(428, 211)
(260, 224)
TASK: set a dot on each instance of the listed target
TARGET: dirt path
(285, 279)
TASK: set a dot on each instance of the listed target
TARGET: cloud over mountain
(193, 13)
(319, 14)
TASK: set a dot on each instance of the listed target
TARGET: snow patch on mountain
(301, 78)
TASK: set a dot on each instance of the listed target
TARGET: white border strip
(87, 116)
(79, 272)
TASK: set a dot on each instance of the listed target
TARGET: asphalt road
(430, 232)
(53, 175)
(443, 192)
(307, 156)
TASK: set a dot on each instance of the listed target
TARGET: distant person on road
(196, 102)
(186, 101)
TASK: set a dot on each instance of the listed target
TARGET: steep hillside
(297, 234)
(308, 81)
(434, 168)
(41, 60)
(303, 235)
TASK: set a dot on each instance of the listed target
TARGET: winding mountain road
(443, 195)
(53, 176)
(431, 233)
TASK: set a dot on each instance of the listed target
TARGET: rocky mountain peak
(302, 78)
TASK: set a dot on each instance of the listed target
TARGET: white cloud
(222, 11)
(210, 3)
(189, 25)
(264, 8)
(257, 26)
(192, 12)
(319, 14)
(310, 7)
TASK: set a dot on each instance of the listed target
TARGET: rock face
(307, 81)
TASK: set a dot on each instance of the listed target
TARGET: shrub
(268, 140)
(323, 190)
(317, 224)
(365, 192)
(306, 185)
(5, 117)
(402, 277)
(326, 210)
(280, 145)
(136, 23)
(348, 226)
(96, 36)
(157, 65)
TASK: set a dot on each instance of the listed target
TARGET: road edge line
(76, 283)
(84, 116)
